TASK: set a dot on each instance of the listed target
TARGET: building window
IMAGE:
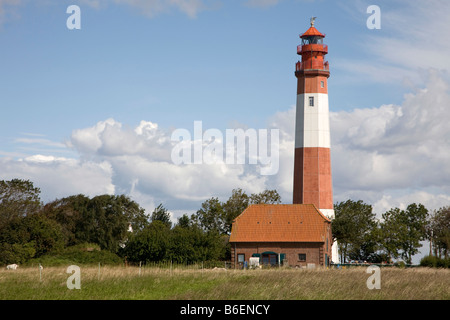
(322, 84)
(311, 101)
(241, 257)
(302, 257)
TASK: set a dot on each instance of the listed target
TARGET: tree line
(398, 234)
(30, 229)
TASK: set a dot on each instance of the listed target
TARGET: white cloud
(388, 156)
(283, 181)
(418, 31)
(430, 200)
(41, 141)
(59, 177)
(411, 40)
(141, 163)
(154, 7)
(87, 141)
(400, 150)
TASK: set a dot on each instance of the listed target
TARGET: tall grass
(194, 283)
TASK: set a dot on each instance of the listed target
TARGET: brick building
(297, 235)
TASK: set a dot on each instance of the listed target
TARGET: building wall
(315, 251)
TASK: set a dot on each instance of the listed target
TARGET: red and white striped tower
(312, 164)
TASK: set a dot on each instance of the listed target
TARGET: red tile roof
(280, 223)
(312, 32)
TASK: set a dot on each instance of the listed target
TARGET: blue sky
(90, 111)
(230, 62)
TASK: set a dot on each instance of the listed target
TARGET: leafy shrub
(428, 261)
(443, 263)
(86, 253)
(435, 262)
(16, 252)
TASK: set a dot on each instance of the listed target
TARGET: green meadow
(152, 283)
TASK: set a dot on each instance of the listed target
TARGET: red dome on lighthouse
(312, 31)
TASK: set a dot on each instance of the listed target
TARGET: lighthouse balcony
(315, 47)
(312, 65)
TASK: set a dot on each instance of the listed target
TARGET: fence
(381, 265)
(180, 265)
(312, 65)
(312, 47)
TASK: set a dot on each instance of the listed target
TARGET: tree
(103, 220)
(184, 221)
(402, 231)
(391, 232)
(108, 218)
(162, 214)
(266, 197)
(438, 231)
(16, 252)
(28, 237)
(211, 216)
(415, 218)
(182, 248)
(149, 244)
(69, 212)
(353, 228)
(18, 198)
(193, 244)
(234, 206)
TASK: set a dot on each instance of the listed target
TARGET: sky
(92, 110)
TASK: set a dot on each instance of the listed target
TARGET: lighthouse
(312, 161)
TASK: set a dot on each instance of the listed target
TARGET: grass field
(113, 283)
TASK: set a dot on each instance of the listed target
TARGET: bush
(400, 264)
(443, 263)
(428, 261)
(435, 262)
(29, 237)
(16, 252)
(85, 253)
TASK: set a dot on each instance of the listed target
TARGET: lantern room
(312, 50)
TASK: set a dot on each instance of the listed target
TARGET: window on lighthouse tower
(312, 40)
(311, 101)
